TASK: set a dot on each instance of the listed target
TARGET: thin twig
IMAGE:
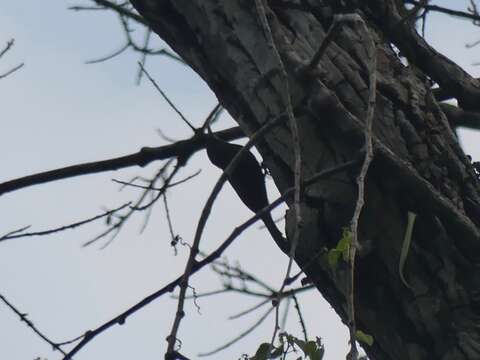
(240, 336)
(260, 7)
(7, 47)
(250, 309)
(15, 235)
(240, 274)
(332, 31)
(300, 317)
(172, 184)
(114, 230)
(143, 59)
(109, 56)
(121, 10)
(172, 105)
(11, 71)
(212, 117)
(447, 11)
(173, 236)
(283, 322)
(370, 50)
(23, 317)
(201, 224)
(120, 319)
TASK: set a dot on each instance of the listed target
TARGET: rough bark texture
(418, 166)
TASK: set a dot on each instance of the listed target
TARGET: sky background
(58, 111)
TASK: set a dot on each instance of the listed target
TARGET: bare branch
(181, 149)
(121, 10)
(240, 336)
(120, 319)
(23, 317)
(368, 133)
(300, 316)
(201, 224)
(444, 10)
(7, 47)
(294, 129)
(172, 105)
(117, 226)
(109, 56)
(11, 71)
(15, 234)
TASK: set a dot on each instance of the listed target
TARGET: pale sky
(58, 111)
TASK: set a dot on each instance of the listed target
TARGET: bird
(246, 178)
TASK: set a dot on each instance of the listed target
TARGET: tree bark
(418, 164)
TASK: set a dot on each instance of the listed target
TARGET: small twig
(121, 10)
(143, 58)
(440, 9)
(172, 184)
(114, 230)
(240, 274)
(296, 148)
(300, 317)
(120, 319)
(201, 224)
(16, 231)
(240, 336)
(283, 322)
(361, 179)
(206, 294)
(109, 56)
(7, 47)
(23, 317)
(172, 105)
(14, 234)
(85, 8)
(332, 31)
(250, 309)
(161, 191)
(212, 117)
(169, 219)
(11, 71)
(125, 15)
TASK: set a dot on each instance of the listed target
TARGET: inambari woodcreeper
(246, 179)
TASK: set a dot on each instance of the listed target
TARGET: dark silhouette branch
(181, 149)
(120, 319)
(23, 317)
(444, 10)
(451, 77)
(19, 233)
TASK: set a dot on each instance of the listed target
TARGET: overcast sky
(58, 111)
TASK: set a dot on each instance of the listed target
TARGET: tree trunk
(418, 164)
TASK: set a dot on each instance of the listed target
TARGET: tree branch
(182, 149)
(120, 319)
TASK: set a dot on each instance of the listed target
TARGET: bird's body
(246, 178)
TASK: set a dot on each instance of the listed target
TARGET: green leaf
(314, 350)
(364, 337)
(311, 348)
(277, 352)
(262, 352)
(301, 344)
(332, 257)
(342, 249)
(344, 244)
